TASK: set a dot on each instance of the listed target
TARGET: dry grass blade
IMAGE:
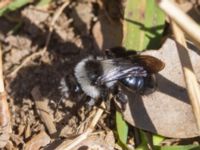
(186, 23)
(69, 146)
(190, 78)
(5, 124)
(44, 112)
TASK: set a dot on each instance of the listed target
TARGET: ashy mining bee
(97, 76)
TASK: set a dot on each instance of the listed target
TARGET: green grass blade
(43, 2)
(122, 129)
(143, 25)
(14, 6)
(144, 141)
(157, 140)
(179, 147)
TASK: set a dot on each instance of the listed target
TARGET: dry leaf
(107, 33)
(34, 15)
(167, 111)
(82, 17)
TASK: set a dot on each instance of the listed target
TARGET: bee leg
(91, 102)
(64, 88)
(105, 97)
(123, 99)
(69, 88)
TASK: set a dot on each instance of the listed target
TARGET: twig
(69, 146)
(190, 78)
(41, 52)
(52, 24)
(2, 89)
(85, 121)
(44, 111)
(185, 22)
(27, 133)
(5, 124)
(25, 61)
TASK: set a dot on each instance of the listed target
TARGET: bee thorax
(86, 73)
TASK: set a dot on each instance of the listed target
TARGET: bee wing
(150, 63)
(120, 69)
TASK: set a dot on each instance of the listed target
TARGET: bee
(98, 76)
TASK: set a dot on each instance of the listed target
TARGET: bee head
(94, 70)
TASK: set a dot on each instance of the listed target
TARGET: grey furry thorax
(87, 72)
